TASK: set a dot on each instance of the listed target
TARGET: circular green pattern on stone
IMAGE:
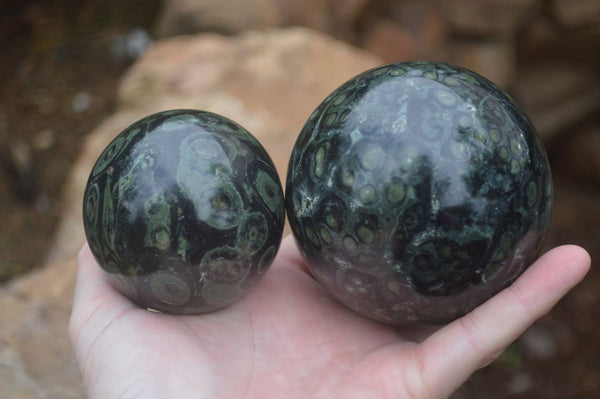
(430, 195)
(169, 289)
(184, 211)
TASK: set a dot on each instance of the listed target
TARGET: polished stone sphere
(416, 191)
(184, 211)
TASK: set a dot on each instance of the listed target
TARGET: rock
(545, 39)
(539, 39)
(557, 95)
(336, 17)
(399, 31)
(575, 219)
(35, 356)
(229, 17)
(580, 155)
(18, 162)
(519, 383)
(390, 41)
(269, 82)
(487, 18)
(494, 59)
(539, 342)
(44, 140)
(577, 13)
(591, 381)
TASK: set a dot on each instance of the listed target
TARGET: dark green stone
(184, 210)
(416, 191)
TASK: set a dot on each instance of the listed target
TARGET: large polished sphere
(184, 211)
(416, 191)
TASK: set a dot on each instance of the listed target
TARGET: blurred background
(70, 67)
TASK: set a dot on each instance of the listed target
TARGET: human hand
(289, 338)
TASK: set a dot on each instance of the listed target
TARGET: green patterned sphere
(416, 191)
(184, 211)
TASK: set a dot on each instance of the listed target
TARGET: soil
(60, 64)
(59, 71)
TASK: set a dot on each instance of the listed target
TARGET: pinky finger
(453, 353)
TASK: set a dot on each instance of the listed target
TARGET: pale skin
(288, 339)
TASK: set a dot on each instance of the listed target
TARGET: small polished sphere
(416, 191)
(184, 211)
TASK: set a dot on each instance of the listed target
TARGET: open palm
(287, 338)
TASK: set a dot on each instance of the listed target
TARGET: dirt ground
(59, 67)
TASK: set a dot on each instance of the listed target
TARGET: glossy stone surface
(416, 191)
(184, 210)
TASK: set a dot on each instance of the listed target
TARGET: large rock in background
(269, 82)
(488, 18)
(496, 38)
(35, 356)
(334, 17)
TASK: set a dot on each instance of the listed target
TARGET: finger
(453, 353)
